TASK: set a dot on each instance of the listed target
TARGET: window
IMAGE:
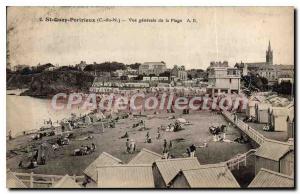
(230, 80)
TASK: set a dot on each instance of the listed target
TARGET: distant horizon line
(168, 66)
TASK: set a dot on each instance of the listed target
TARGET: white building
(179, 72)
(149, 68)
(224, 80)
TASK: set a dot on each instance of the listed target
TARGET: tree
(165, 74)
(254, 82)
(285, 87)
(139, 77)
(26, 71)
(105, 67)
(89, 68)
(134, 66)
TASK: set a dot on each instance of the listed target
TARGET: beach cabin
(206, 176)
(66, 182)
(165, 170)
(262, 112)
(102, 160)
(145, 156)
(278, 117)
(276, 156)
(250, 111)
(271, 179)
(125, 176)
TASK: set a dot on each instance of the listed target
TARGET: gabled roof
(210, 176)
(169, 168)
(273, 150)
(125, 176)
(102, 160)
(145, 156)
(268, 178)
(66, 182)
(14, 182)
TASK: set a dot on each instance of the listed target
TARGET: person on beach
(93, 147)
(170, 144)
(21, 164)
(43, 159)
(165, 154)
(158, 134)
(125, 135)
(132, 146)
(127, 146)
(192, 150)
(165, 146)
(147, 137)
(188, 152)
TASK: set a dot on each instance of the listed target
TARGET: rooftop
(102, 160)
(66, 182)
(145, 156)
(267, 178)
(273, 150)
(14, 182)
(170, 167)
(210, 176)
(125, 176)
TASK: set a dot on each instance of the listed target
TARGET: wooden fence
(239, 160)
(42, 180)
(252, 133)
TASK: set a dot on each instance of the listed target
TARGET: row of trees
(285, 88)
(258, 83)
(255, 82)
(31, 70)
(104, 67)
(110, 66)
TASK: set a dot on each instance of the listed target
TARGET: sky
(233, 34)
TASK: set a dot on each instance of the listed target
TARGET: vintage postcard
(150, 97)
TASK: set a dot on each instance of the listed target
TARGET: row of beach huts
(275, 111)
(148, 170)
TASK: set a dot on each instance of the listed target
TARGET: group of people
(167, 147)
(85, 150)
(140, 123)
(176, 126)
(191, 150)
(38, 158)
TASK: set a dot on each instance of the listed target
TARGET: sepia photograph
(150, 97)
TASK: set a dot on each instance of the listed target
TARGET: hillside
(49, 83)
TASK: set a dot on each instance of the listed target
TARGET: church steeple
(269, 55)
